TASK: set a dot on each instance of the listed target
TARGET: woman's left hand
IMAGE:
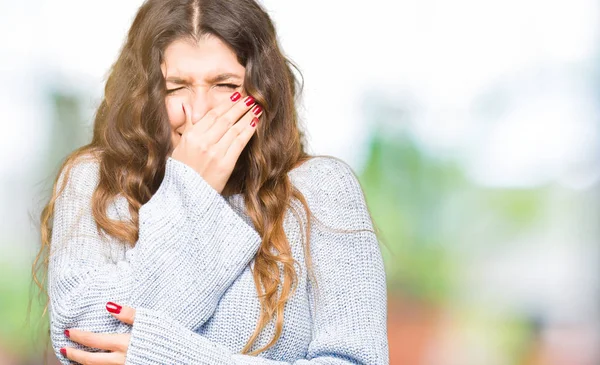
(116, 343)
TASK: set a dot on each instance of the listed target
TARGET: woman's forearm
(191, 247)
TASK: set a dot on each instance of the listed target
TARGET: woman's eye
(228, 86)
(172, 90)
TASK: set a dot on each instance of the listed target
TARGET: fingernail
(63, 351)
(249, 100)
(67, 333)
(254, 122)
(236, 96)
(256, 110)
(113, 307)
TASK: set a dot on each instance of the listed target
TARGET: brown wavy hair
(132, 138)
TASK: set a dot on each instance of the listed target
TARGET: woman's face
(200, 74)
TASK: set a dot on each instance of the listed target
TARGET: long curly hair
(132, 138)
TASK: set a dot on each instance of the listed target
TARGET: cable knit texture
(189, 275)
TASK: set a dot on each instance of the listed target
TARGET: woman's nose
(201, 102)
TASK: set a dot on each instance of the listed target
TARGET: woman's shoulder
(81, 172)
(324, 171)
(333, 192)
(328, 182)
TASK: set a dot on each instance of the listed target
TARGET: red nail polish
(63, 352)
(254, 122)
(67, 333)
(113, 307)
(236, 96)
(249, 100)
(256, 110)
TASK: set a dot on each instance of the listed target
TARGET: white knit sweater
(189, 275)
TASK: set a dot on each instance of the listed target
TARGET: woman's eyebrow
(222, 77)
(177, 80)
(211, 80)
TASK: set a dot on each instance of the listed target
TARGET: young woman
(194, 228)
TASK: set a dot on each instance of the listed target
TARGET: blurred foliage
(432, 220)
(432, 217)
(69, 129)
(22, 325)
(405, 189)
(23, 330)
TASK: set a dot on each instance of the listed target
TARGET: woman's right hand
(212, 145)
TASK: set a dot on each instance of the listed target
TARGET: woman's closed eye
(173, 90)
(228, 86)
(224, 86)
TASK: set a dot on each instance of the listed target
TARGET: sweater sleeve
(350, 315)
(191, 247)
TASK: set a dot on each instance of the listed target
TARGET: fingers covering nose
(187, 112)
